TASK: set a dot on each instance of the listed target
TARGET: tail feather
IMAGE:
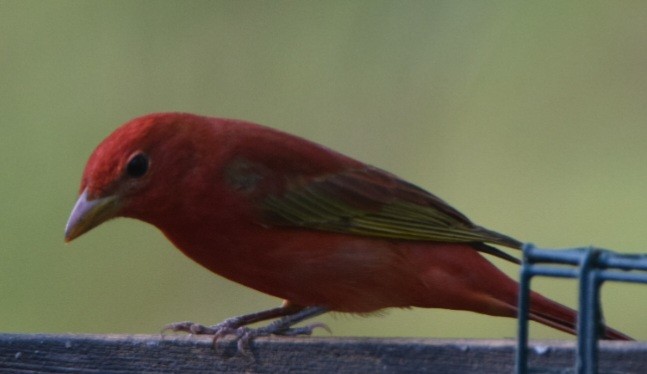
(542, 309)
(553, 314)
(457, 276)
(496, 252)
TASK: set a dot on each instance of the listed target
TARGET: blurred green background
(530, 117)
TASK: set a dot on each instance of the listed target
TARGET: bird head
(134, 170)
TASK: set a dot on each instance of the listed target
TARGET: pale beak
(88, 214)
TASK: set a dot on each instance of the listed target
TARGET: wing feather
(371, 202)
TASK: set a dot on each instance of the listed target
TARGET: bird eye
(137, 166)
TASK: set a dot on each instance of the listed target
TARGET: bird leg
(282, 326)
(236, 326)
(230, 323)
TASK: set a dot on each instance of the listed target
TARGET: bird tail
(553, 314)
(542, 309)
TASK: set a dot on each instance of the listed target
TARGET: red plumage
(299, 221)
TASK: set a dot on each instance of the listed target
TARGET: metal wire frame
(592, 266)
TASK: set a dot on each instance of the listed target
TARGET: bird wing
(371, 202)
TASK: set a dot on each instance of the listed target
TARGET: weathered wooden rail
(27, 353)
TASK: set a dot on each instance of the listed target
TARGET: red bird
(298, 221)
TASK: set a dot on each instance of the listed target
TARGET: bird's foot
(236, 327)
(245, 336)
(226, 327)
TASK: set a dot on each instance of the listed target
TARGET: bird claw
(243, 336)
(226, 327)
(190, 328)
(303, 330)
